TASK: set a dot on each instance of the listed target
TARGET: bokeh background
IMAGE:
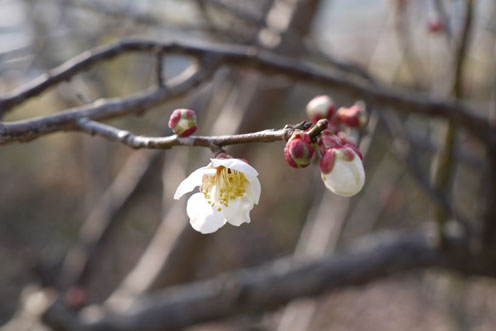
(52, 186)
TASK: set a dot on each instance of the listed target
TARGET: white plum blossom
(229, 188)
(342, 171)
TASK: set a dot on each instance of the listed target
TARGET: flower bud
(75, 297)
(342, 171)
(355, 149)
(183, 122)
(320, 107)
(435, 25)
(299, 150)
(330, 140)
(354, 116)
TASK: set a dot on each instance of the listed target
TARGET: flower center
(226, 185)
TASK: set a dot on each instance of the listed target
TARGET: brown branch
(406, 153)
(444, 166)
(102, 109)
(245, 57)
(213, 142)
(270, 286)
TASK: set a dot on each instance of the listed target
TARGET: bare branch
(213, 142)
(270, 286)
(444, 166)
(403, 148)
(245, 57)
(102, 109)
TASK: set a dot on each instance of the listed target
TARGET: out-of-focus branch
(444, 166)
(243, 15)
(403, 148)
(338, 64)
(102, 109)
(96, 228)
(489, 216)
(246, 57)
(444, 18)
(270, 286)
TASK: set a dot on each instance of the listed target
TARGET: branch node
(320, 126)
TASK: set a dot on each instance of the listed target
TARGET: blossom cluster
(229, 187)
(340, 160)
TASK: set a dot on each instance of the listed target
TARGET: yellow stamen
(226, 185)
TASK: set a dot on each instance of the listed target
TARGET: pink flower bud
(330, 140)
(75, 297)
(355, 149)
(435, 25)
(223, 156)
(328, 160)
(320, 107)
(354, 116)
(299, 150)
(342, 171)
(183, 122)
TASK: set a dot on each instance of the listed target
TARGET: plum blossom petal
(236, 164)
(254, 189)
(193, 180)
(202, 217)
(238, 211)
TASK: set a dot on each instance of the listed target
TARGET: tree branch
(213, 142)
(270, 286)
(103, 109)
(246, 57)
(444, 165)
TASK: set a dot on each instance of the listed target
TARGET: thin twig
(400, 143)
(213, 142)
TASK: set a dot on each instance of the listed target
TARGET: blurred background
(60, 190)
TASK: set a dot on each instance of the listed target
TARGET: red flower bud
(327, 140)
(299, 150)
(328, 160)
(355, 149)
(320, 107)
(354, 116)
(348, 154)
(330, 140)
(435, 25)
(183, 122)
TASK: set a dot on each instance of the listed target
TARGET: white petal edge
(238, 211)
(235, 164)
(193, 180)
(254, 189)
(203, 217)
